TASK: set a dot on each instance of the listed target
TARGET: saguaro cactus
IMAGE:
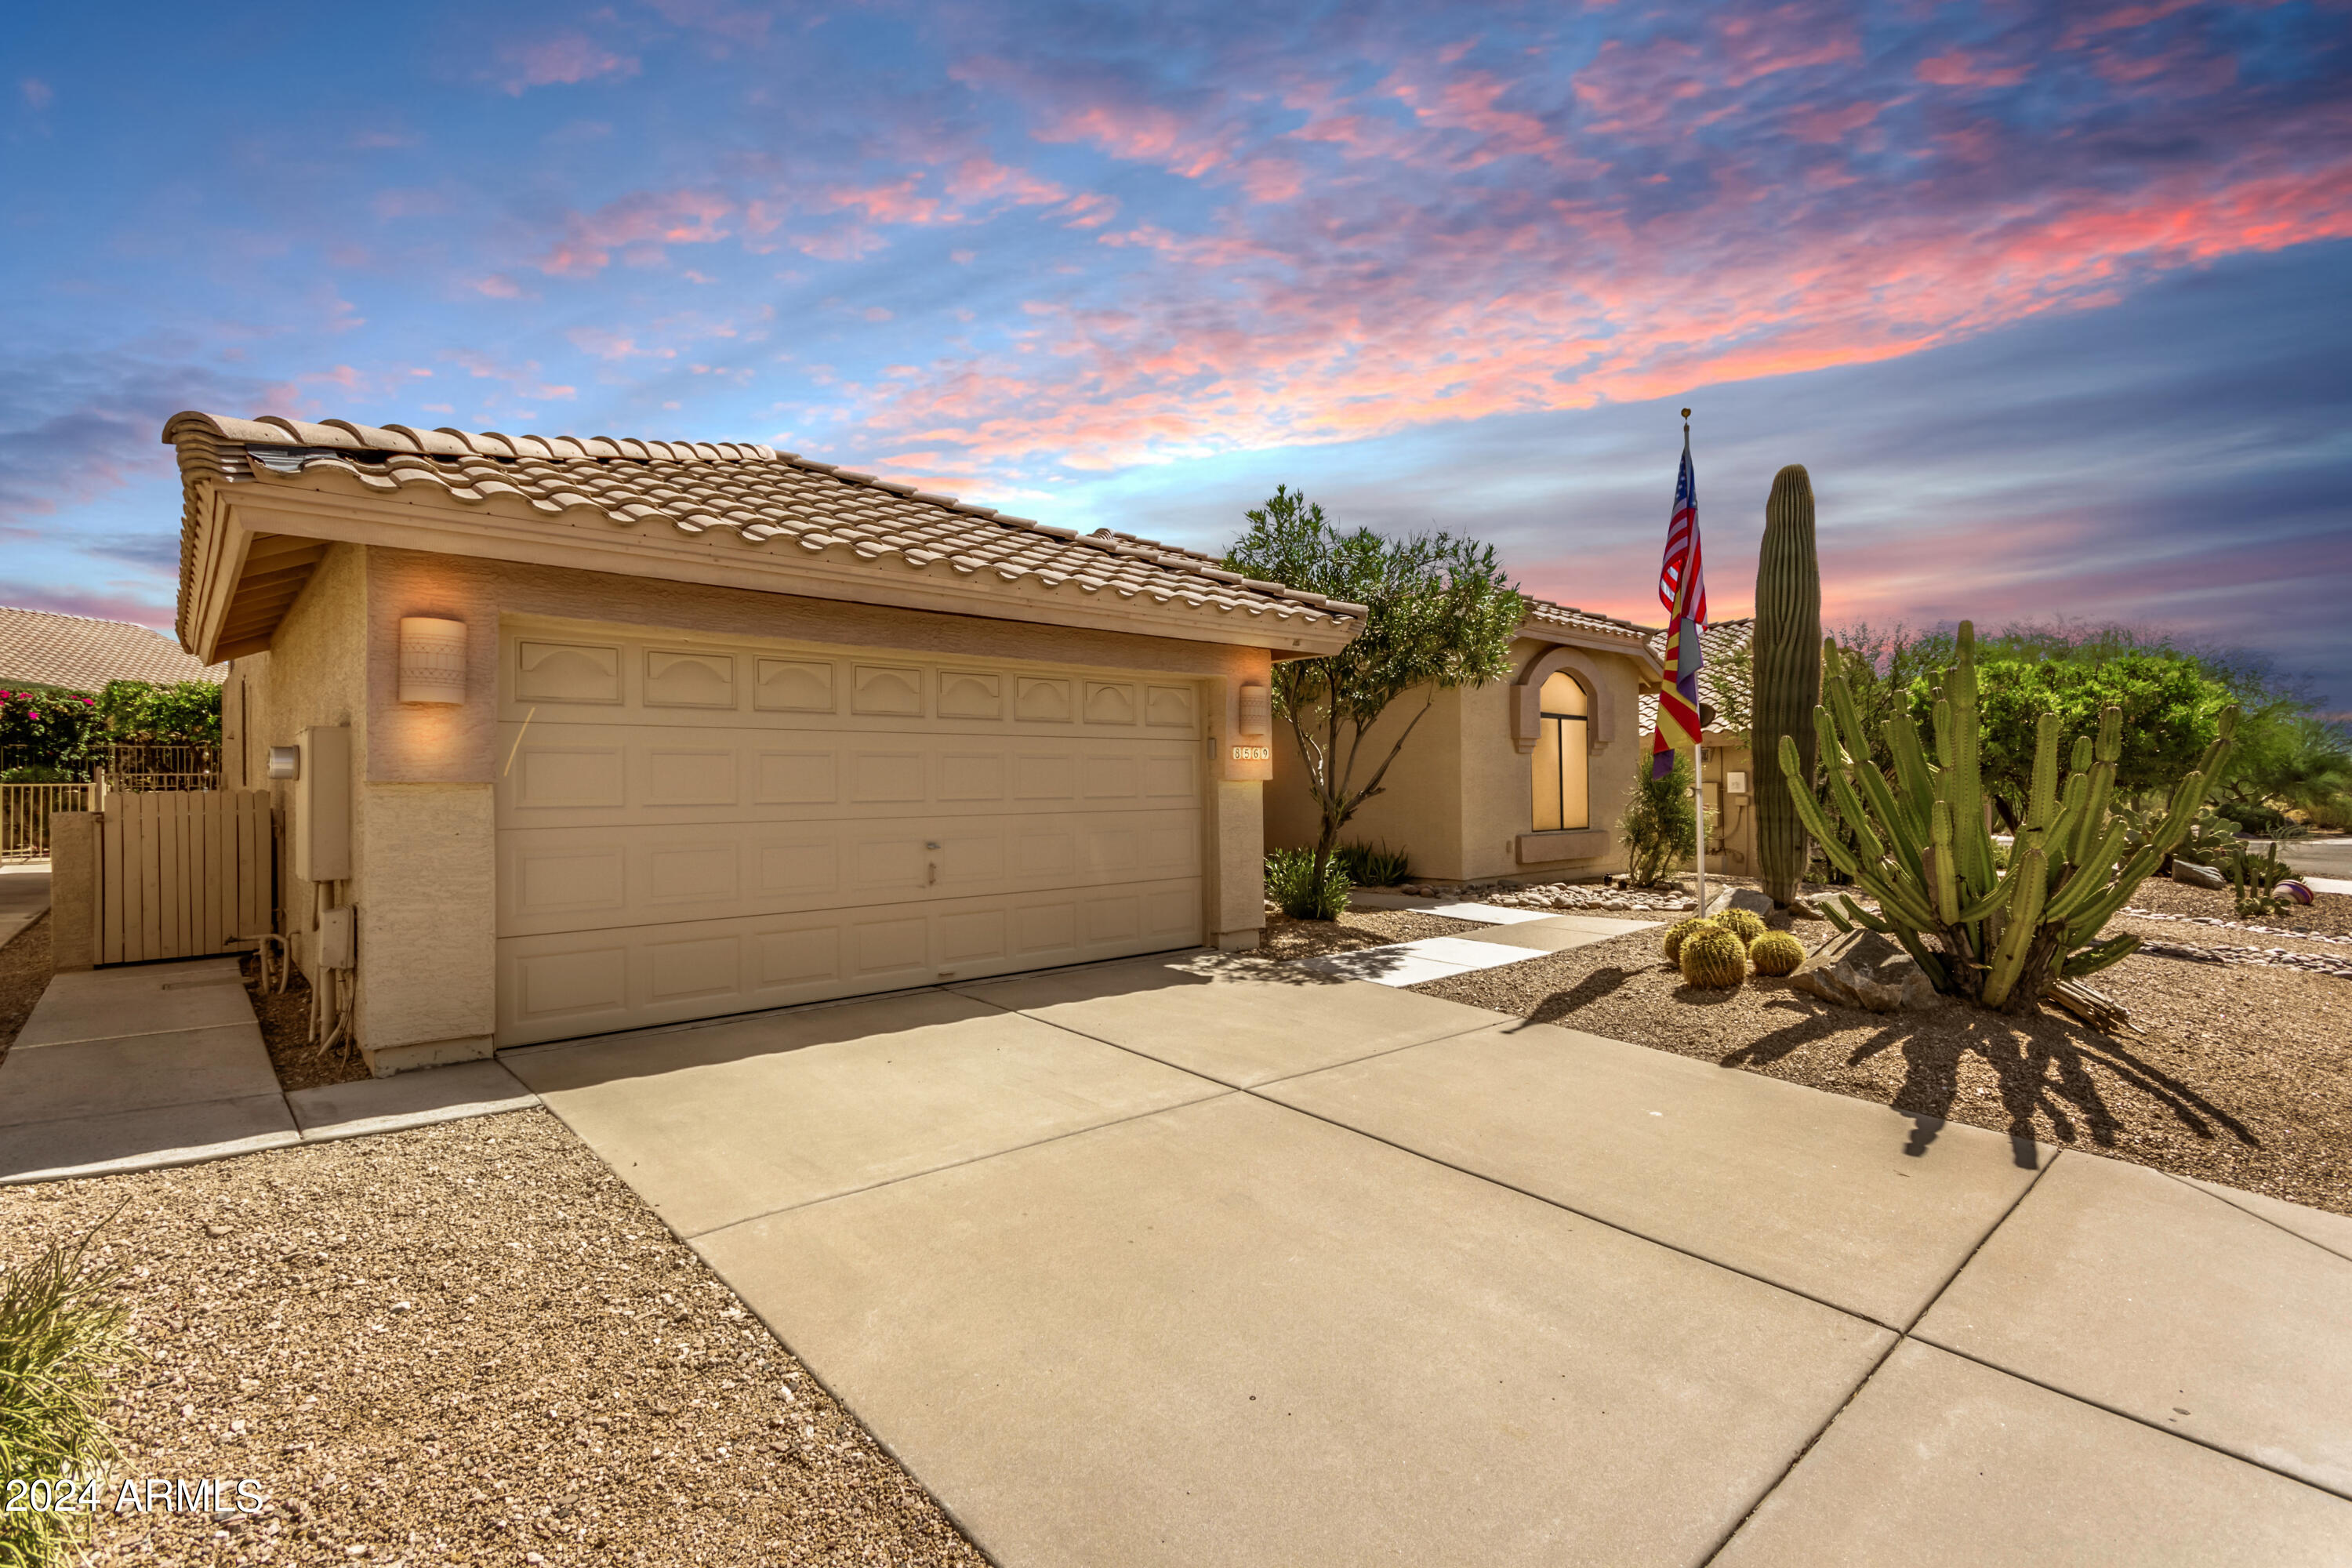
(1788, 674)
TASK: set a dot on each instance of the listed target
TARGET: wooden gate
(181, 873)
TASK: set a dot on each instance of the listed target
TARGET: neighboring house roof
(1723, 676)
(831, 519)
(38, 648)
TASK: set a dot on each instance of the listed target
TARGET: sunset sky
(2052, 300)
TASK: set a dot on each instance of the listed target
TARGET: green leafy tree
(142, 711)
(2171, 711)
(46, 728)
(1439, 614)
(1659, 826)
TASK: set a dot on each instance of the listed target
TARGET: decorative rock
(2198, 876)
(1748, 899)
(1864, 969)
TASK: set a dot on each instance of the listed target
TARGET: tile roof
(1543, 612)
(38, 648)
(1723, 679)
(779, 500)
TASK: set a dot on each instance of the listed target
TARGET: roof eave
(230, 519)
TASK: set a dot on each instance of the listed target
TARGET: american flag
(1682, 588)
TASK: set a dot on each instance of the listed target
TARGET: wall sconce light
(432, 660)
(1257, 711)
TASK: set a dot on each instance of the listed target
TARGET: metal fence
(25, 811)
(161, 766)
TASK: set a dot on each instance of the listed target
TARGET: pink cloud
(1958, 68)
(562, 60)
(37, 94)
(644, 221)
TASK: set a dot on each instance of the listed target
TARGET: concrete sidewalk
(1232, 1263)
(23, 895)
(153, 1065)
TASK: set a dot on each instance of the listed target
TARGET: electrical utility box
(323, 804)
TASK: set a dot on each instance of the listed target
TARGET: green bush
(1660, 826)
(1290, 883)
(63, 1328)
(1371, 865)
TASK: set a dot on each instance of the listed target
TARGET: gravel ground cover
(1285, 938)
(2329, 915)
(467, 1343)
(285, 1019)
(24, 975)
(2242, 1074)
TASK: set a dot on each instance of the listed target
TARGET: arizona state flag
(1682, 588)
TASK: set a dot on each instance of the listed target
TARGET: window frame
(1553, 726)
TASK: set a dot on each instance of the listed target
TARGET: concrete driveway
(1215, 1262)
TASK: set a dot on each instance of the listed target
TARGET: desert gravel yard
(463, 1343)
(2242, 1075)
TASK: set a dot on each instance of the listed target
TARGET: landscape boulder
(2196, 876)
(1864, 969)
(1748, 899)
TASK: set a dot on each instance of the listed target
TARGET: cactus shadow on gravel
(2044, 1068)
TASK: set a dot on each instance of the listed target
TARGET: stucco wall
(1460, 795)
(312, 676)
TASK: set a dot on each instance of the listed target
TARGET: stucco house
(596, 733)
(1523, 778)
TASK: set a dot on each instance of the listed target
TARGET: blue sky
(2048, 298)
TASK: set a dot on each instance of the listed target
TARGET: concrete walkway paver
(1556, 933)
(1402, 964)
(2317, 1226)
(1942, 1463)
(1230, 1333)
(2142, 1294)
(729, 1120)
(1833, 1198)
(1251, 1029)
(136, 999)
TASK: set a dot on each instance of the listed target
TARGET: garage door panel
(689, 830)
(585, 776)
(569, 984)
(549, 879)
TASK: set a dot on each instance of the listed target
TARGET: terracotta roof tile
(38, 648)
(1543, 612)
(765, 497)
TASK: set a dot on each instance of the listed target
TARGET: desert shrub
(1745, 924)
(1660, 826)
(1291, 883)
(1776, 953)
(62, 1331)
(1371, 865)
(1679, 930)
(1714, 959)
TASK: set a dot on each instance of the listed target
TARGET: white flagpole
(1699, 805)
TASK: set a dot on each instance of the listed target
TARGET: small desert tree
(1660, 827)
(1439, 614)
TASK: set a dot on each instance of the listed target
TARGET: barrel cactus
(1680, 930)
(1788, 675)
(1714, 959)
(2002, 935)
(1776, 953)
(1745, 924)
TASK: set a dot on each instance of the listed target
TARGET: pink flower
(35, 713)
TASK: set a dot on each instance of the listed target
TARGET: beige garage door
(689, 828)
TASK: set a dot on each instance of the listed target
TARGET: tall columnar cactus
(1999, 937)
(1787, 679)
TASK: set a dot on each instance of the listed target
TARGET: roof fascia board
(402, 525)
(222, 544)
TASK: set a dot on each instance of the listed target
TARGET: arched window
(1561, 800)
